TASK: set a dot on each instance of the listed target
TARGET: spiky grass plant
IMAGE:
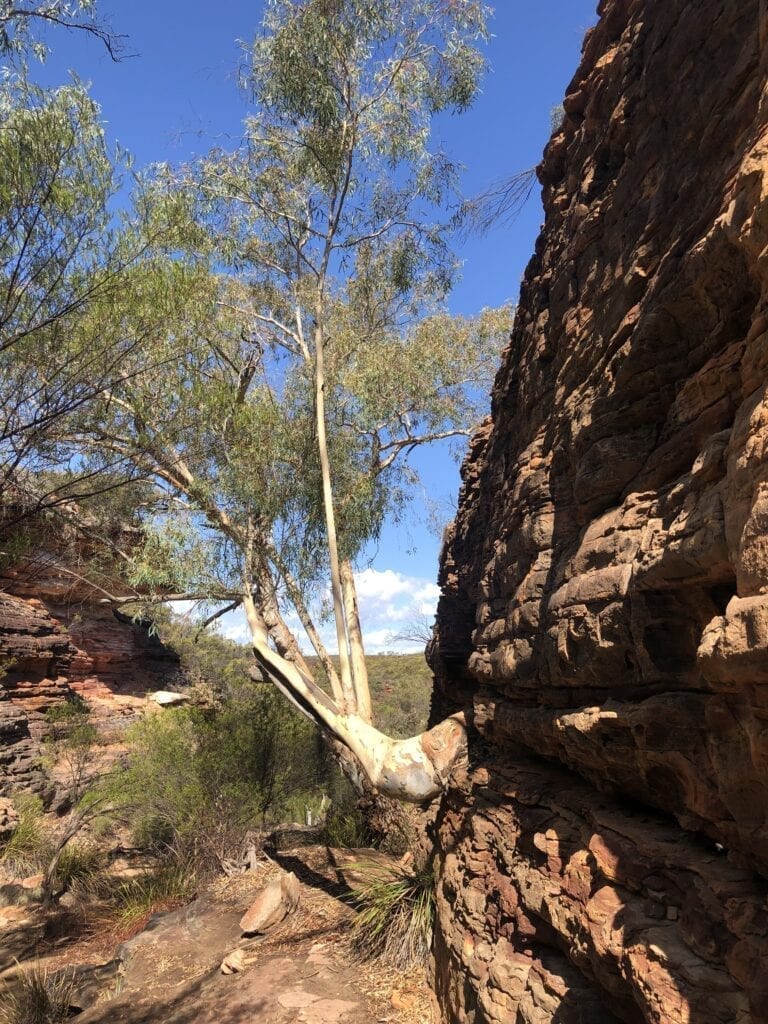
(40, 997)
(29, 848)
(346, 830)
(135, 901)
(396, 918)
(78, 862)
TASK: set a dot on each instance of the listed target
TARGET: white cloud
(390, 603)
(235, 628)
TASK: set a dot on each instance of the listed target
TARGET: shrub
(346, 829)
(396, 918)
(71, 710)
(71, 739)
(43, 997)
(199, 778)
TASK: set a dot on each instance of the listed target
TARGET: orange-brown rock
(58, 638)
(605, 583)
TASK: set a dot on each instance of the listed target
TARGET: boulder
(276, 901)
(168, 699)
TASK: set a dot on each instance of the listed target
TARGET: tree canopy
(277, 343)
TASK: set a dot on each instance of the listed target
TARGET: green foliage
(29, 847)
(21, 22)
(70, 710)
(71, 740)
(401, 689)
(69, 719)
(40, 996)
(346, 829)
(207, 657)
(197, 779)
(326, 222)
(60, 256)
(82, 289)
(396, 918)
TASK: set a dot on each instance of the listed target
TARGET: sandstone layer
(58, 639)
(604, 600)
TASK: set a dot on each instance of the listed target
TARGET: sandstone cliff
(605, 583)
(58, 638)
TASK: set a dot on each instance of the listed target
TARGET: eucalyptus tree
(59, 247)
(322, 355)
(56, 179)
(65, 253)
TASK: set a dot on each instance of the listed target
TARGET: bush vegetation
(132, 903)
(71, 739)
(198, 778)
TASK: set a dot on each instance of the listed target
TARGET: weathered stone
(21, 929)
(58, 640)
(276, 901)
(9, 819)
(93, 982)
(168, 699)
(604, 599)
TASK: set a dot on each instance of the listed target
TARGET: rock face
(57, 639)
(605, 583)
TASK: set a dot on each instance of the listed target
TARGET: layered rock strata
(605, 583)
(59, 639)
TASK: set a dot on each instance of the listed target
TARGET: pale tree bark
(297, 600)
(350, 704)
(357, 648)
(415, 770)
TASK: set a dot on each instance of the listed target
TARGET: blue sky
(178, 96)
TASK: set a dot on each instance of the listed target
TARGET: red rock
(63, 643)
(604, 604)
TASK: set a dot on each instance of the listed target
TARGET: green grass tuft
(396, 919)
(78, 862)
(29, 848)
(346, 830)
(135, 901)
(42, 997)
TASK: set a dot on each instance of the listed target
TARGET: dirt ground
(303, 970)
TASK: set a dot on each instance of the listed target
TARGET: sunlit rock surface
(59, 639)
(605, 583)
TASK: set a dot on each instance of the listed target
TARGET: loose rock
(274, 902)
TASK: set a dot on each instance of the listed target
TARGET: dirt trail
(302, 971)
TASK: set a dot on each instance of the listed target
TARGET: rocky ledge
(604, 600)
